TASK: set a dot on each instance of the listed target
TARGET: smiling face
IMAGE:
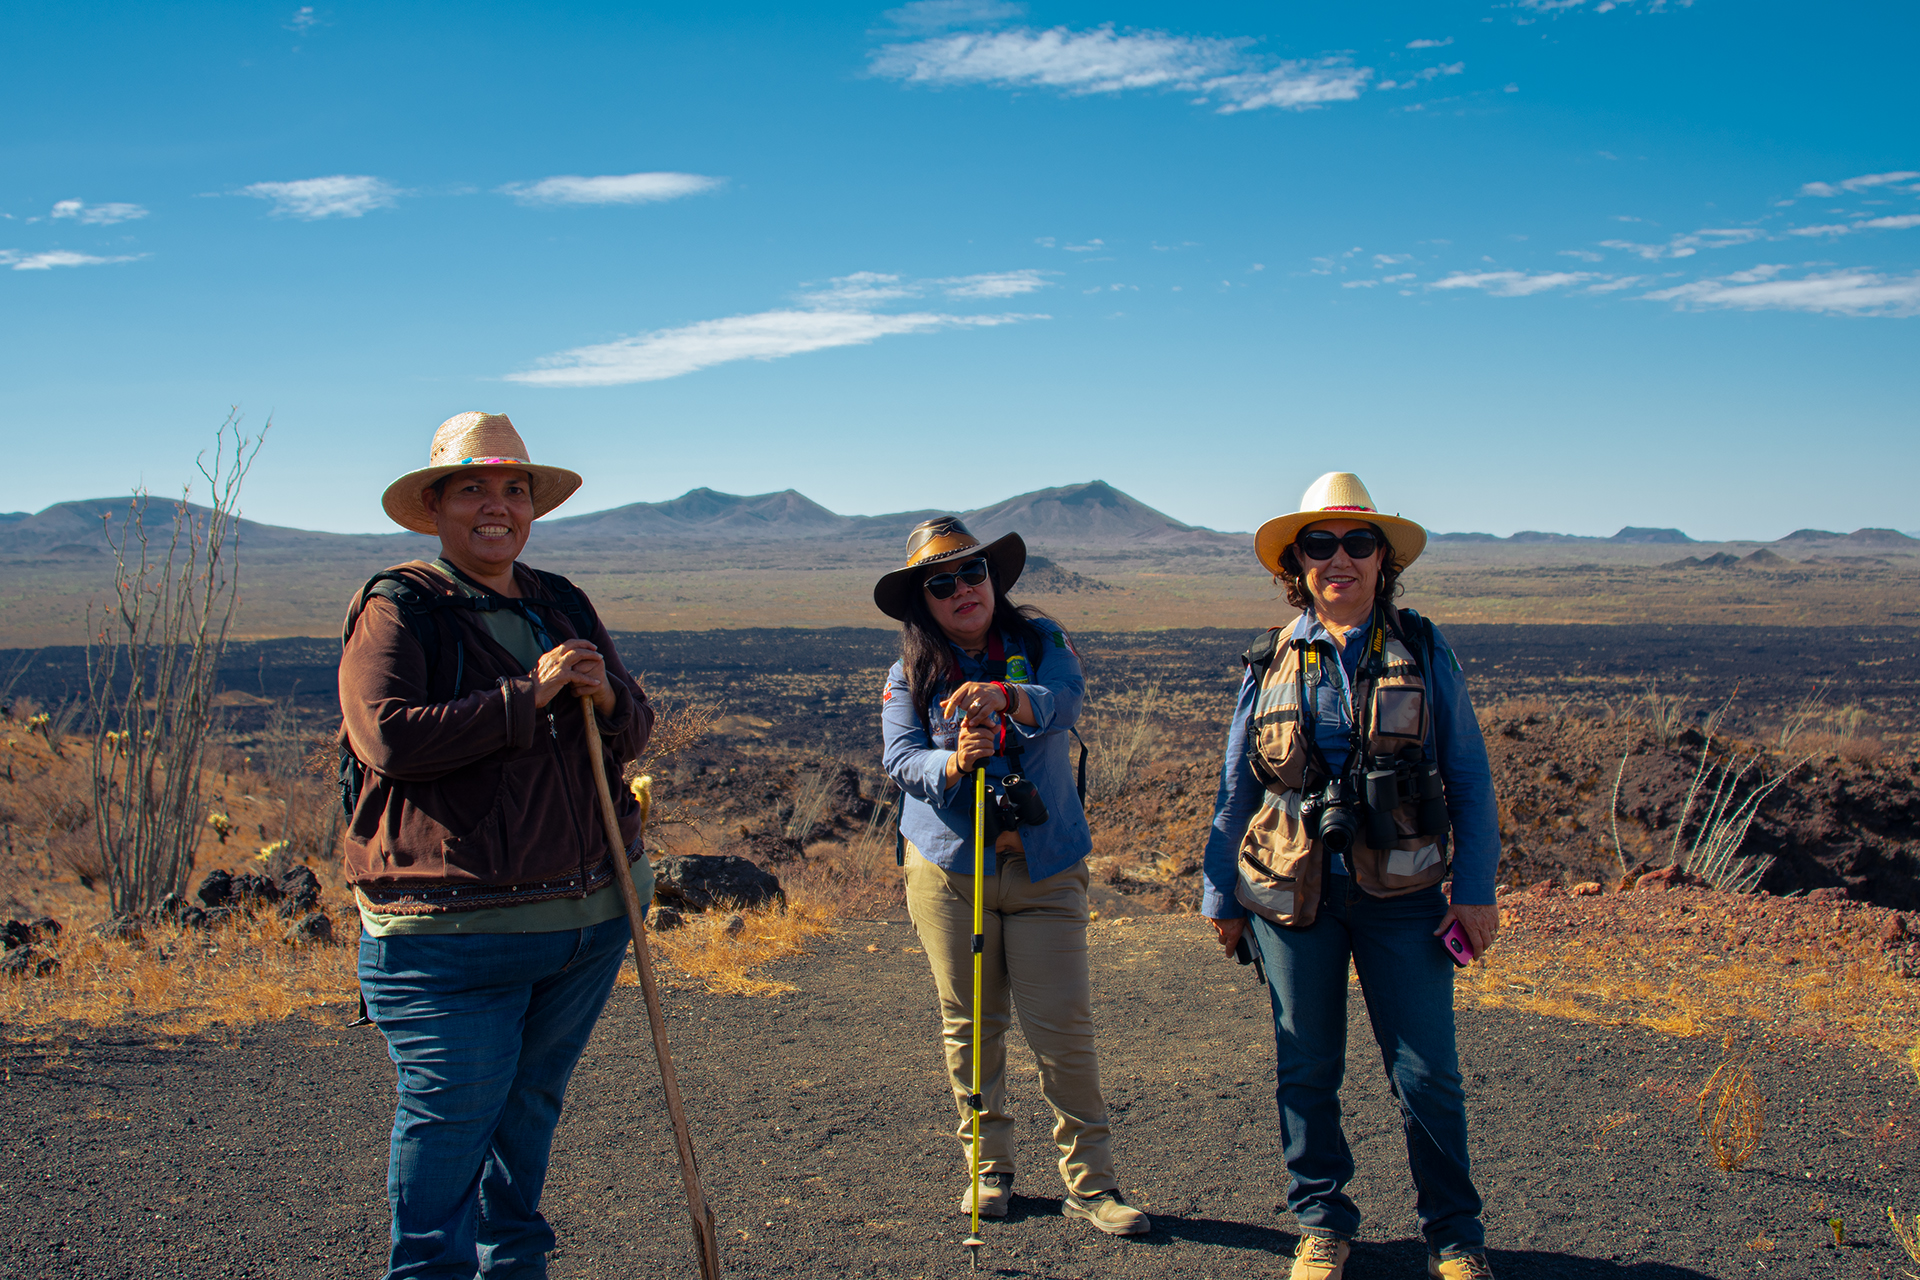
(965, 616)
(483, 516)
(1342, 586)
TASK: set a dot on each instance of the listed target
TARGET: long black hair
(924, 655)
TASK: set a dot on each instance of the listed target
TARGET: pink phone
(1455, 941)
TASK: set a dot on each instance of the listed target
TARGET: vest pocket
(1279, 867)
(1411, 864)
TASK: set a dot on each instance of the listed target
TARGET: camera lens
(1024, 799)
(1338, 827)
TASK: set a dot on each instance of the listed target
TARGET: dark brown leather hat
(944, 540)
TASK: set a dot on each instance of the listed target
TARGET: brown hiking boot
(1460, 1266)
(996, 1191)
(1107, 1211)
(1319, 1258)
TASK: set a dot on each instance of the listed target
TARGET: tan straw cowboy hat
(468, 440)
(944, 540)
(1337, 495)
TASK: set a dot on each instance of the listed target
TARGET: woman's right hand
(1229, 932)
(572, 662)
(975, 747)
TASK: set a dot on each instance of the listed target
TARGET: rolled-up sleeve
(1471, 808)
(1059, 688)
(1234, 805)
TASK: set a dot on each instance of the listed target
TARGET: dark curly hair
(1295, 580)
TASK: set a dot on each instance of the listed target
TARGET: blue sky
(1551, 264)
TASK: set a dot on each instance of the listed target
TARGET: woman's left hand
(1482, 924)
(976, 701)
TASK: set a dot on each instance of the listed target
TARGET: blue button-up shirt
(938, 818)
(1463, 767)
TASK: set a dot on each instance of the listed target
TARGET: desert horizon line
(1627, 534)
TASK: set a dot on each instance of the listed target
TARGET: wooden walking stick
(705, 1245)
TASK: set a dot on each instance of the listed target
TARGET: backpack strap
(568, 599)
(1261, 652)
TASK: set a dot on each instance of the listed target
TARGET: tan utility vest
(1281, 868)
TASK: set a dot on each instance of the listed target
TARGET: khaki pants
(1035, 960)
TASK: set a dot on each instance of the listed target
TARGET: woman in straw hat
(1354, 768)
(491, 927)
(982, 683)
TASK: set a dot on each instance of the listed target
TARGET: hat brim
(1007, 555)
(407, 507)
(1406, 538)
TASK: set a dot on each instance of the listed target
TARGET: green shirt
(514, 634)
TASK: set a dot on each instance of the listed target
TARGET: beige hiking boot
(1107, 1211)
(1319, 1258)
(1460, 1266)
(996, 1191)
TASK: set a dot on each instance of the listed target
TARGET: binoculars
(1334, 814)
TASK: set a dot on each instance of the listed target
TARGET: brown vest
(1281, 868)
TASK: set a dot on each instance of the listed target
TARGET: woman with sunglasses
(982, 683)
(1354, 766)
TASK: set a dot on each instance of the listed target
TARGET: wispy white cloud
(1424, 75)
(1896, 222)
(1429, 44)
(97, 215)
(1864, 182)
(58, 258)
(1604, 6)
(339, 196)
(1851, 292)
(769, 335)
(841, 313)
(1685, 246)
(1094, 245)
(625, 188)
(1512, 284)
(1585, 255)
(945, 15)
(1225, 73)
(303, 20)
(995, 284)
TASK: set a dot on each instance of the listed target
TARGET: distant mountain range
(1091, 516)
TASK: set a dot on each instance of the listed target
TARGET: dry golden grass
(179, 981)
(1835, 988)
(1908, 1236)
(1731, 1115)
(710, 950)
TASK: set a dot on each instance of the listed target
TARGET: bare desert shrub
(1811, 708)
(152, 661)
(677, 729)
(811, 794)
(1731, 1115)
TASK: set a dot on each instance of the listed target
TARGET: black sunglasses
(942, 585)
(1320, 545)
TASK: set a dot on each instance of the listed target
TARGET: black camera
(1330, 815)
(1020, 802)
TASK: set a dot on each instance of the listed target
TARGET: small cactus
(222, 825)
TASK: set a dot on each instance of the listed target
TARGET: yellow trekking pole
(973, 1242)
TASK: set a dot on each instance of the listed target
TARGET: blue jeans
(484, 1030)
(1407, 980)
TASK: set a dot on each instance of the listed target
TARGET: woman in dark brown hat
(982, 683)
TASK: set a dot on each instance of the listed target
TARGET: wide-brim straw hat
(943, 541)
(465, 441)
(1337, 495)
